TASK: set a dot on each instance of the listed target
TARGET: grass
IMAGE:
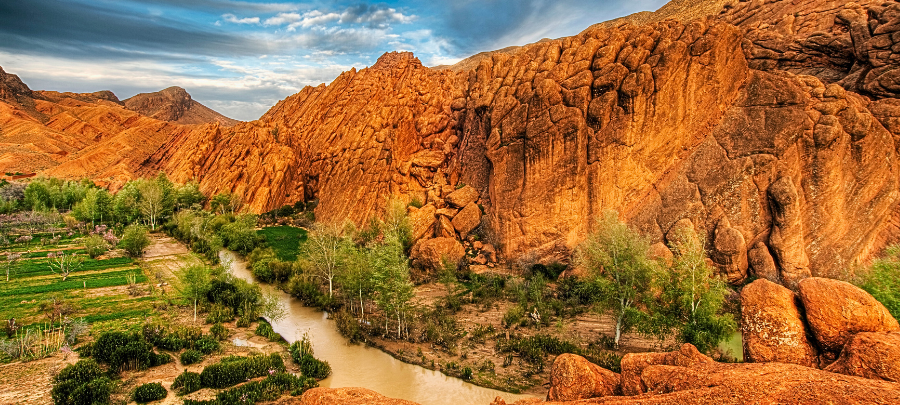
(284, 240)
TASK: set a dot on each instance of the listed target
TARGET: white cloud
(233, 19)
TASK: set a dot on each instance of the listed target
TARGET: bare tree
(11, 260)
(151, 202)
(62, 263)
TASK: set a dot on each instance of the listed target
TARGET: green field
(284, 240)
(98, 291)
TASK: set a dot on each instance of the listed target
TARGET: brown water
(361, 366)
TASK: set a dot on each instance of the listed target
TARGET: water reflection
(361, 366)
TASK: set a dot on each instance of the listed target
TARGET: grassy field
(111, 292)
(284, 240)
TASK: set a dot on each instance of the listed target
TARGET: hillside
(174, 104)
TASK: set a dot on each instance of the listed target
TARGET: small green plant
(513, 316)
(81, 383)
(206, 344)
(467, 373)
(95, 246)
(302, 353)
(135, 240)
(416, 202)
(219, 332)
(191, 356)
(233, 370)
(187, 382)
(149, 392)
(265, 330)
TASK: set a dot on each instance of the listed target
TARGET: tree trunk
(195, 310)
(619, 327)
(362, 307)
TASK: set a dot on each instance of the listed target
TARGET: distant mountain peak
(174, 104)
(392, 60)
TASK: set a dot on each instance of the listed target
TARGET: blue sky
(241, 57)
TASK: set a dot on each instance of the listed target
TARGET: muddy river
(361, 366)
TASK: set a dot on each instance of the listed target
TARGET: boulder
(444, 228)
(730, 252)
(489, 251)
(467, 219)
(633, 365)
(786, 237)
(772, 326)
(421, 221)
(462, 197)
(874, 355)
(837, 310)
(572, 377)
(762, 264)
(344, 396)
(659, 251)
(428, 158)
(431, 255)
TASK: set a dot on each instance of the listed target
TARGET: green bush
(122, 351)
(534, 349)
(191, 356)
(187, 382)
(883, 280)
(135, 240)
(149, 392)
(302, 353)
(513, 316)
(219, 332)
(206, 344)
(95, 246)
(231, 371)
(81, 383)
(265, 330)
(269, 389)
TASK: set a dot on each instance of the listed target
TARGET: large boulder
(874, 355)
(421, 221)
(462, 197)
(467, 219)
(344, 396)
(572, 377)
(786, 236)
(730, 252)
(633, 365)
(430, 256)
(837, 310)
(772, 326)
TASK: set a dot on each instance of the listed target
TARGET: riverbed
(361, 366)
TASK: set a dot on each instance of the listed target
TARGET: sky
(241, 57)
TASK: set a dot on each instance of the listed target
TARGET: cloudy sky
(241, 57)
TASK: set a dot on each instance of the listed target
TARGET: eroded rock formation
(174, 104)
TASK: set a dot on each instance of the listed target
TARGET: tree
(225, 203)
(692, 296)
(354, 277)
(324, 251)
(189, 196)
(11, 260)
(616, 260)
(135, 240)
(62, 263)
(96, 205)
(393, 289)
(195, 283)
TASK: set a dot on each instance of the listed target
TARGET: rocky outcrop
(634, 364)
(174, 104)
(12, 89)
(432, 256)
(572, 377)
(344, 396)
(772, 326)
(870, 355)
(836, 311)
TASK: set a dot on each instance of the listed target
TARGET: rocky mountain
(174, 104)
(95, 135)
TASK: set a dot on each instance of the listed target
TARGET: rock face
(572, 377)
(836, 311)
(772, 326)
(174, 104)
(344, 396)
(870, 355)
(634, 364)
(432, 255)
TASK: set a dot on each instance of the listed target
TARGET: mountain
(174, 104)
(769, 126)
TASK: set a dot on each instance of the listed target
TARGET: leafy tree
(96, 205)
(882, 280)
(135, 240)
(616, 260)
(157, 199)
(354, 277)
(692, 296)
(195, 282)
(225, 203)
(393, 289)
(125, 204)
(323, 253)
(95, 246)
(189, 196)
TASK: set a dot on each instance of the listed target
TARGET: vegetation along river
(366, 367)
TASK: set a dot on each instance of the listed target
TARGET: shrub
(187, 382)
(135, 240)
(513, 316)
(123, 351)
(268, 389)
(234, 370)
(534, 349)
(191, 356)
(81, 383)
(95, 245)
(206, 344)
(302, 353)
(149, 392)
(882, 280)
(265, 330)
(219, 332)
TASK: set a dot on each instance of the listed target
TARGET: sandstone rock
(837, 310)
(345, 396)
(874, 355)
(490, 252)
(174, 104)
(786, 237)
(421, 221)
(772, 326)
(659, 251)
(467, 219)
(730, 252)
(762, 264)
(572, 377)
(462, 197)
(428, 158)
(633, 365)
(447, 212)
(430, 256)
(480, 259)
(444, 228)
